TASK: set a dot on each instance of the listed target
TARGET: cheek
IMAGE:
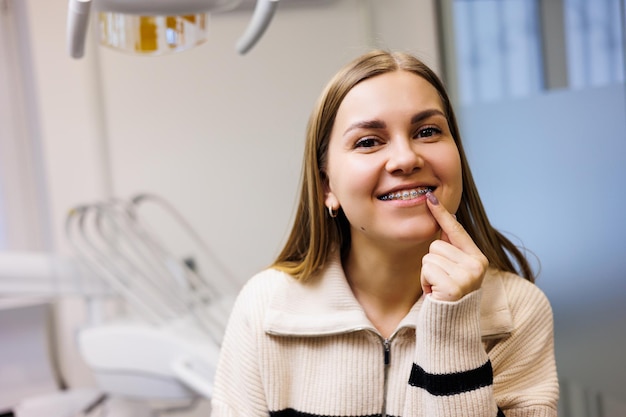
(450, 173)
(352, 178)
(456, 173)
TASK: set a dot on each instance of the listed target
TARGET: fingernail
(431, 197)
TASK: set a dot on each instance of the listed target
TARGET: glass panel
(550, 164)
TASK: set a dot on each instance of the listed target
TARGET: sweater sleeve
(452, 374)
(525, 375)
(238, 390)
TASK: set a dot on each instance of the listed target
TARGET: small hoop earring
(332, 213)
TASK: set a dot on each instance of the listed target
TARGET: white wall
(217, 134)
(228, 142)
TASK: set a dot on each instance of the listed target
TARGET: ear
(331, 201)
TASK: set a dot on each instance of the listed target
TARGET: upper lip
(403, 187)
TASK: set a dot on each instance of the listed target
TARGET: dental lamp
(155, 27)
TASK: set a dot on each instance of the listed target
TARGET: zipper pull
(387, 351)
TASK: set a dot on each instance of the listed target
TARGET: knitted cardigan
(308, 350)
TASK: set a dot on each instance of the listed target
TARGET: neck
(386, 284)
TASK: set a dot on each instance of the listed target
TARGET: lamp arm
(263, 13)
(77, 23)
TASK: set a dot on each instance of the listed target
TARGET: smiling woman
(393, 294)
(391, 137)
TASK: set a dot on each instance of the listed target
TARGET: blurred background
(540, 94)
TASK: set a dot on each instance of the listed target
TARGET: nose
(404, 157)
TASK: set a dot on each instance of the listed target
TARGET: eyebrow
(426, 114)
(366, 124)
(379, 124)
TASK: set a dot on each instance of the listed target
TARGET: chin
(418, 234)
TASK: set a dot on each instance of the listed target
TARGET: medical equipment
(166, 346)
(158, 26)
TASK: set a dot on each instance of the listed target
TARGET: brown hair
(315, 234)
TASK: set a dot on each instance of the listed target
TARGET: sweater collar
(325, 305)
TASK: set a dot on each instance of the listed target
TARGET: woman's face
(389, 145)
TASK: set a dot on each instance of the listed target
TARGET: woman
(382, 301)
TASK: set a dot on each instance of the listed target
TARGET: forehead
(397, 90)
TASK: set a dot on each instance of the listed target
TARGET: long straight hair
(315, 234)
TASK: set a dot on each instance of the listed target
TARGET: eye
(367, 142)
(428, 132)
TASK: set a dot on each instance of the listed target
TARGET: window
(506, 49)
(594, 41)
(498, 48)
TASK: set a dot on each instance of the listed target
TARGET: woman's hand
(454, 266)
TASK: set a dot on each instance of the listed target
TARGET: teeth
(407, 194)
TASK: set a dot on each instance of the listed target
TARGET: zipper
(386, 342)
(387, 362)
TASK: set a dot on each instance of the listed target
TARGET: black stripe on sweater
(290, 412)
(451, 384)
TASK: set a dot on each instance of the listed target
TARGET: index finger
(452, 230)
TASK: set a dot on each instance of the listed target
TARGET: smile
(406, 194)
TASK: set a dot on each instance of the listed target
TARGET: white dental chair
(163, 348)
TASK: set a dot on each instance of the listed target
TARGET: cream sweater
(308, 350)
